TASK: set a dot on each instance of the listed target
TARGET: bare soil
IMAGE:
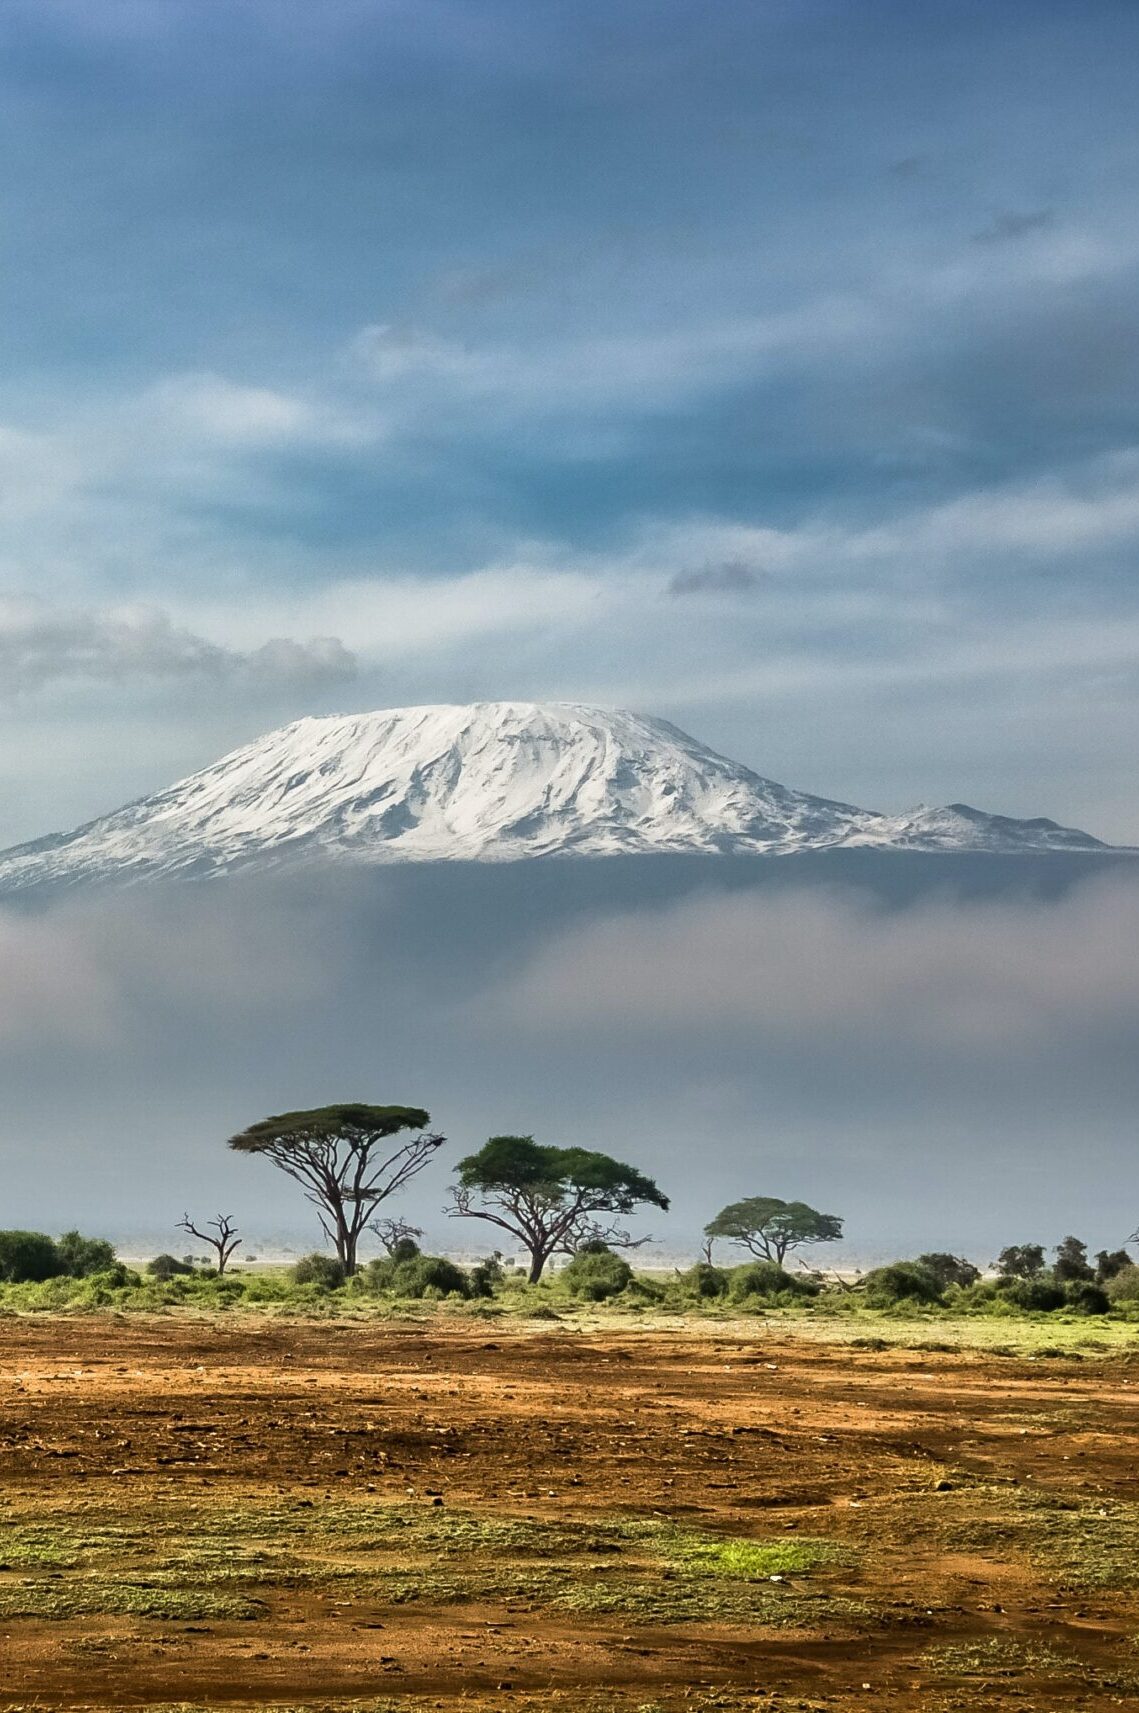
(274, 1514)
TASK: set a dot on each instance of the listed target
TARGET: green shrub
(327, 1271)
(705, 1280)
(486, 1276)
(768, 1279)
(429, 1273)
(82, 1256)
(28, 1256)
(1037, 1295)
(168, 1267)
(596, 1274)
(950, 1269)
(117, 1277)
(1123, 1287)
(1086, 1297)
(902, 1282)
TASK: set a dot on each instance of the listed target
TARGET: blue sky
(770, 367)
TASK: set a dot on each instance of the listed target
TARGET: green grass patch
(745, 1560)
(215, 1561)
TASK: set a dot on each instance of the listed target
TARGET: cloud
(733, 577)
(215, 408)
(587, 371)
(98, 974)
(43, 646)
(1008, 224)
(1020, 978)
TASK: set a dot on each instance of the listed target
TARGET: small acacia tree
(769, 1228)
(341, 1157)
(551, 1199)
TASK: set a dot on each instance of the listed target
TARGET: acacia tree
(769, 1228)
(223, 1243)
(551, 1199)
(341, 1158)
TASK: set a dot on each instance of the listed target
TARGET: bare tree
(223, 1245)
(393, 1233)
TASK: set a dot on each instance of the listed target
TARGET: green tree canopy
(769, 1228)
(551, 1199)
(1072, 1261)
(341, 1157)
(1020, 1261)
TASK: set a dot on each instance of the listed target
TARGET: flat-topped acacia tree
(341, 1155)
(548, 1198)
(769, 1228)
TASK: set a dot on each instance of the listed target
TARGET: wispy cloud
(1007, 224)
(733, 577)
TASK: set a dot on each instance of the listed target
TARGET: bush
(327, 1271)
(486, 1276)
(429, 1273)
(1086, 1297)
(950, 1269)
(596, 1274)
(27, 1257)
(705, 1280)
(168, 1267)
(768, 1279)
(1035, 1294)
(1123, 1287)
(80, 1257)
(902, 1282)
(404, 1249)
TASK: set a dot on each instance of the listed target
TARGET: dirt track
(199, 1514)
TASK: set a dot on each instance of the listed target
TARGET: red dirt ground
(760, 1435)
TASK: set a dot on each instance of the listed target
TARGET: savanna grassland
(209, 1512)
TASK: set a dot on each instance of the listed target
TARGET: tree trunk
(345, 1239)
(537, 1262)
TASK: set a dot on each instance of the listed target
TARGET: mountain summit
(494, 781)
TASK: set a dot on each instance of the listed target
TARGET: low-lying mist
(942, 1050)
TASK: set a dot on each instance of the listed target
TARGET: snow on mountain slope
(490, 782)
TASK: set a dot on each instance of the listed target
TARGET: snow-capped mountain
(494, 781)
